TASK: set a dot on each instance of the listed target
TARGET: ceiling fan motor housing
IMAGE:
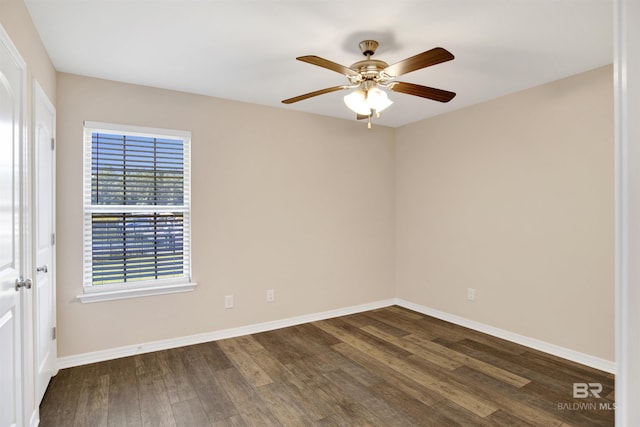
(369, 69)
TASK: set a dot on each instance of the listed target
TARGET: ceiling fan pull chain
(369, 124)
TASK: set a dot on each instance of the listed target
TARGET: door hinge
(53, 143)
(53, 239)
(53, 334)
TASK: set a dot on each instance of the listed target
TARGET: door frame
(27, 413)
(627, 152)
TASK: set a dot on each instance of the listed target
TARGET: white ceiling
(245, 50)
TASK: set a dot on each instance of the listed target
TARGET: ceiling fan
(369, 76)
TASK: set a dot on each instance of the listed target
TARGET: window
(137, 211)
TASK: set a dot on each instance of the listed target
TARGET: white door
(11, 230)
(44, 295)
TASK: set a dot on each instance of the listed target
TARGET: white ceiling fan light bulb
(357, 102)
(377, 99)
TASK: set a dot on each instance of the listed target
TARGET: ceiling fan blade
(421, 60)
(330, 65)
(423, 91)
(315, 93)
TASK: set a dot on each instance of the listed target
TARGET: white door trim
(24, 384)
(627, 146)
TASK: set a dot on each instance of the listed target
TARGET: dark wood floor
(386, 367)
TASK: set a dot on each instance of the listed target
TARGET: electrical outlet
(271, 295)
(471, 294)
(228, 301)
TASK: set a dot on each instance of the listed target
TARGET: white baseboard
(130, 350)
(565, 353)
(556, 350)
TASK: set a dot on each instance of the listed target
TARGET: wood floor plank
(301, 393)
(350, 336)
(312, 339)
(279, 343)
(374, 404)
(192, 372)
(235, 421)
(207, 385)
(527, 406)
(245, 364)
(59, 406)
(399, 320)
(249, 344)
(151, 364)
(413, 348)
(216, 402)
(348, 407)
(300, 389)
(213, 355)
(190, 413)
(569, 368)
(332, 361)
(417, 412)
(390, 376)
(155, 406)
(448, 413)
(284, 405)
(315, 400)
(244, 398)
(124, 403)
(423, 377)
(384, 367)
(178, 379)
(553, 402)
(93, 403)
(553, 380)
(399, 311)
(463, 359)
(362, 320)
(501, 418)
(365, 337)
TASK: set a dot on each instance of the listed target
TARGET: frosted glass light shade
(357, 102)
(378, 99)
(362, 102)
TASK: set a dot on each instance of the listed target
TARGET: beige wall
(281, 200)
(515, 198)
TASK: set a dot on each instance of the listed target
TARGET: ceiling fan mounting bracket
(368, 47)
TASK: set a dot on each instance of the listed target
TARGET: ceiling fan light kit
(371, 77)
(362, 101)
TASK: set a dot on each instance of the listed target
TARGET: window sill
(111, 294)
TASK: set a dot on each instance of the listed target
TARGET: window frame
(104, 292)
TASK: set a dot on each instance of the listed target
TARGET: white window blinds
(136, 206)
